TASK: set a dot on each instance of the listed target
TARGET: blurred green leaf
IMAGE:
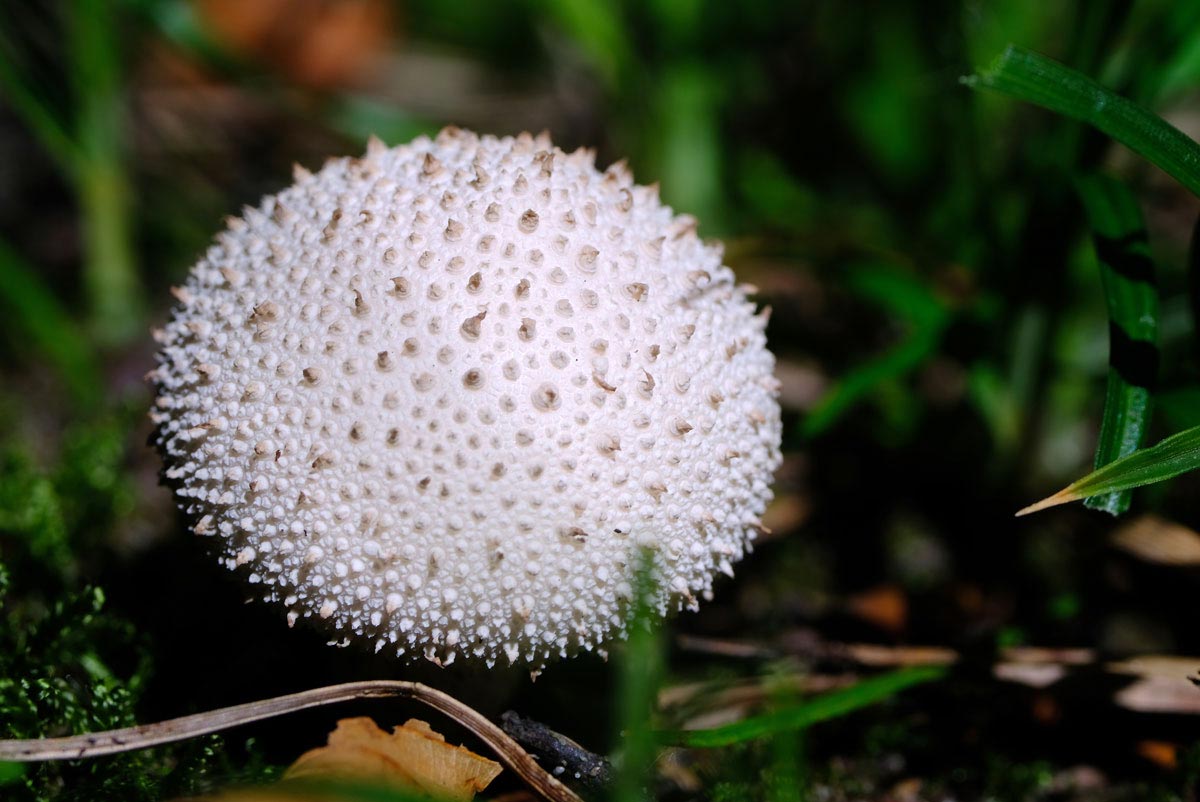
(993, 397)
(688, 146)
(1127, 272)
(597, 27)
(773, 195)
(887, 105)
(859, 382)
(36, 316)
(906, 296)
(805, 713)
(1180, 407)
(88, 151)
(1177, 454)
(1175, 30)
(910, 300)
(360, 117)
(114, 289)
(1183, 72)
(28, 102)
(677, 22)
(1013, 21)
(1037, 79)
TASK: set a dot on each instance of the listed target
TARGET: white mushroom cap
(441, 395)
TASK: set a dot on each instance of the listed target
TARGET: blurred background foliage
(939, 319)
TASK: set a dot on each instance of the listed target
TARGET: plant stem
(110, 274)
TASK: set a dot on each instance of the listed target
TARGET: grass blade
(906, 298)
(598, 31)
(26, 101)
(1037, 79)
(35, 314)
(641, 670)
(811, 711)
(102, 184)
(786, 781)
(1127, 273)
(1177, 454)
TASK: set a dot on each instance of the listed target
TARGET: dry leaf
(1162, 685)
(1163, 754)
(316, 43)
(1035, 675)
(1067, 656)
(870, 654)
(885, 606)
(908, 790)
(1167, 666)
(412, 756)
(1158, 540)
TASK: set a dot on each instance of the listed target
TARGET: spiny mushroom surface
(440, 396)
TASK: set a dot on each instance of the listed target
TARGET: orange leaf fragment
(885, 606)
(412, 756)
(1163, 754)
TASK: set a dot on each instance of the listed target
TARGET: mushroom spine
(439, 397)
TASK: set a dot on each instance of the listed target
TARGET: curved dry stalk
(143, 736)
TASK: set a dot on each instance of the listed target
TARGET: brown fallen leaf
(1035, 675)
(870, 654)
(1167, 666)
(884, 606)
(1162, 684)
(315, 43)
(1163, 754)
(412, 756)
(1158, 540)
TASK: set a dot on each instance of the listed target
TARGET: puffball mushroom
(440, 397)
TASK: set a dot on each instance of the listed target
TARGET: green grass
(925, 316)
(49, 330)
(641, 663)
(1125, 267)
(1177, 454)
(1034, 78)
(88, 148)
(802, 714)
(1127, 273)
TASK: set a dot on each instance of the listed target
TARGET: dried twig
(144, 736)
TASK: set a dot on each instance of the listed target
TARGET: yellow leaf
(412, 756)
